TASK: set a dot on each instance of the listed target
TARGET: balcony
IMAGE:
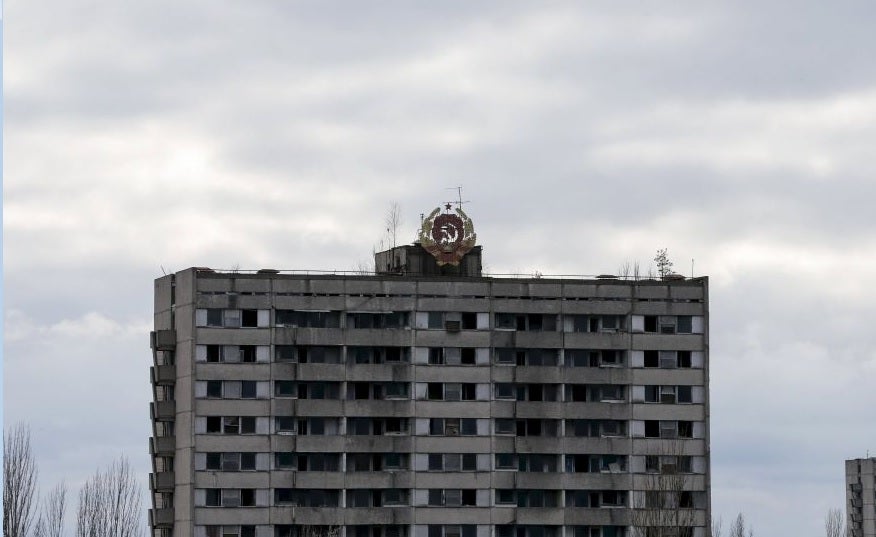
(161, 518)
(163, 374)
(163, 340)
(162, 445)
(161, 481)
(163, 410)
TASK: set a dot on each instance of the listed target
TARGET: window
(506, 497)
(231, 424)
(537, 357)
(308, 354)
(452, 391)
(668, 429)
(536, 462)
(610, 392)
(436, 320)
(249, 318)
(464, 530)
(684, 359)
(452, 497)
(285, 388)
(394, 497)
(536, 427)
(396, 390)
(668, 464)
(684, 324)
(505, 426)
(359, 498)
(537, 498)
(394, 461)
(229, 531)
(231, 462)
(214, 388)
(214, 317)
(467, 356)
(306, 497)
(382, 320)
(684, 394)
(504, 390)
(229, 497)
(685, 429)
(452, 462)
(436, 355)
(308, 319)
(667, 359)
(506, 461)
(597, 323)
(506, 356)
(596, 463)
(527, 531)
(435, 391)
(453, 426)
(537, 392)
(506, 321)
(596, 428)
(248, 353)
(214, 354)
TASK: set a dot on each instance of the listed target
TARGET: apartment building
(428, 400)
(861, 497)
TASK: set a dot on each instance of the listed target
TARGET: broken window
(249, 318)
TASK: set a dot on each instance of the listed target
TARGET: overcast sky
(150, 136)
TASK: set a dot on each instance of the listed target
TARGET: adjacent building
(429, 400)
(861, 497)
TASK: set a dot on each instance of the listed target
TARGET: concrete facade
(402, 405)
(861, 497)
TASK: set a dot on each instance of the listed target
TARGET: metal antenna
(459, 201)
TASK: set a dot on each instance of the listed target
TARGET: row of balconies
(433, 338)
(447, 373)
(164, 410)
(367, 289)
(503, 479)
(423, 515)
(164, 342)
(165, 446)
(444, 444)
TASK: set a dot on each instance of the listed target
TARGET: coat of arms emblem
(447, 236)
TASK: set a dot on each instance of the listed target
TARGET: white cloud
(275, 134)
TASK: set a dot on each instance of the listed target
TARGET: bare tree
(51, 521)
(664, 265)
(393, 221)
(717, 527)
(738, 528)
(319, 531)
(629, 270)
(19, 482)
(665, 505)
(834, 523)
(110, 504)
